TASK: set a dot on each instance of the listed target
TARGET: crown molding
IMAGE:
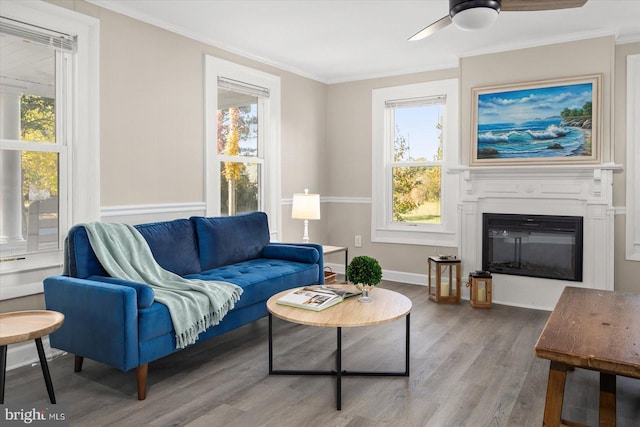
(131, 13)
(446, 64)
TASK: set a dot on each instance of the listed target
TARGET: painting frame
(537, 123)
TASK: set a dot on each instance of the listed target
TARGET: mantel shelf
(529, 169)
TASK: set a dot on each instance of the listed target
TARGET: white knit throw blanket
(194, 305)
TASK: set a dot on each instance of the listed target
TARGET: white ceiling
(335, 41)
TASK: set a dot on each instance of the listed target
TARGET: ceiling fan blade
(532, 5)
(438, 25)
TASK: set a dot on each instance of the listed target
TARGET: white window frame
(23, 277)
(383, 228)
(268, 129)
(633, 159)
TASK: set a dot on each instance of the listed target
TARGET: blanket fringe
(191, 335)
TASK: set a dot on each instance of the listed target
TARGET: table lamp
(305, 206)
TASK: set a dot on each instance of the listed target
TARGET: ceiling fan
(472, 15)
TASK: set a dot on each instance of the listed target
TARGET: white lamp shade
(305, 206)
(475, 18)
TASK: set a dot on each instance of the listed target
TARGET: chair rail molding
(335, 199)
(139, 214)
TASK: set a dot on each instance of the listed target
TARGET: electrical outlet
(358, 241)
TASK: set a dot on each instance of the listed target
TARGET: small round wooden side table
(20, 326)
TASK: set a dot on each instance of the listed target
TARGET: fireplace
(544, 246)
(558, 190)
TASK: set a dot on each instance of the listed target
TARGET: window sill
(422, 238)
(31, 262)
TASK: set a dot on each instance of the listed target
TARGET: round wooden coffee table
(386, 306)
(20, 326)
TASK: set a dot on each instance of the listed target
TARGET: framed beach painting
(545, 122)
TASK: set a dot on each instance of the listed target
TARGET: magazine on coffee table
(316, 298)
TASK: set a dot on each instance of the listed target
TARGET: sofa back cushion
(80, 260)
(173, 244)
(231, 239)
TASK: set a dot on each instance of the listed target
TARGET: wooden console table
(326, 250)
(590, 329)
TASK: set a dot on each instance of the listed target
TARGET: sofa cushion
(173, 245)
(259, 278)
(291, 253)
(262, 277)
(229, 240)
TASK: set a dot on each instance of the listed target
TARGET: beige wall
(349, 172)
(538, 63)
(152, 121)
(152, 103)
(304, 154)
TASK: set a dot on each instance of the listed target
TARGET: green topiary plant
(364, 270)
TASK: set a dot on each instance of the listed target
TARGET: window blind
(39, 35)
(415, 102)
(241, 87)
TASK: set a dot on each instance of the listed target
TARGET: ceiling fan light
(475, 18)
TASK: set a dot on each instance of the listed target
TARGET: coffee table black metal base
(339, 372)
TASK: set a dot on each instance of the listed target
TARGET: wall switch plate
(358, 241)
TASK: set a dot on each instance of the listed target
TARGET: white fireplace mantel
(576, 190)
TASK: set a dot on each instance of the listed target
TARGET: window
(243, 141)
(49, 138)
(415, 143)
(416, 165)
(239, 146)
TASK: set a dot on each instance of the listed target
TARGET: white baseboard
(422, 280)
(25, 353)
(391, 275)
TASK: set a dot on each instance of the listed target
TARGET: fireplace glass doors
(533, 245)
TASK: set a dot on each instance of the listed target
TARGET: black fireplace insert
(544, 246)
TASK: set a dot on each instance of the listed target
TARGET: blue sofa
(117, 322)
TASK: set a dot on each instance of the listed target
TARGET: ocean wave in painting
(539, 138)
(551, 132)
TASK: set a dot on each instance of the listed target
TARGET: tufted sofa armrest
(101, 320)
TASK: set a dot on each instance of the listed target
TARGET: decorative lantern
(444, 279)
(480, 288)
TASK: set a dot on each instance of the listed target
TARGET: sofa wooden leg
(77, 363)
(141, 374)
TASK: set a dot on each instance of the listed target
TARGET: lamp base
(305, 237)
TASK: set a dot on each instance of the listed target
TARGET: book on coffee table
(316, 298)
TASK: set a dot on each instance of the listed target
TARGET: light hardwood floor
(469, 367)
